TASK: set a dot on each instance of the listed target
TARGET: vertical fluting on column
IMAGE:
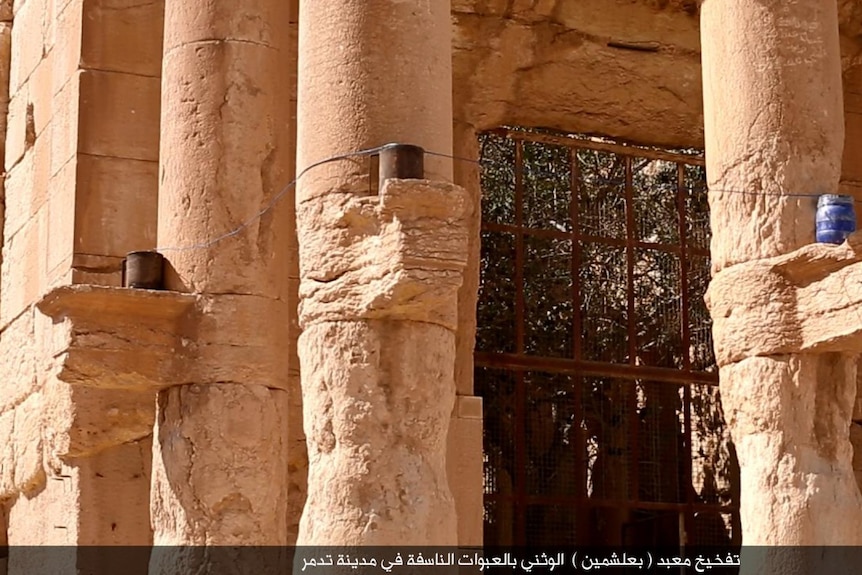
(379, 273)
(219, 470)
(774, 126)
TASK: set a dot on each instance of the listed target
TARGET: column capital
(398, 255)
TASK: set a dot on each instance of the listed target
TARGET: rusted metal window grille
(594, 357)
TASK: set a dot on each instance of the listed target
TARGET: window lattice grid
(594, 351)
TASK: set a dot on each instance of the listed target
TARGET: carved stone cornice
(120, 338)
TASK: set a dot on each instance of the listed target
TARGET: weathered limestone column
(851, 185)
(775, 126)
(380, 272)
(219, 470)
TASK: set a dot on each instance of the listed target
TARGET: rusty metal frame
(518, 363)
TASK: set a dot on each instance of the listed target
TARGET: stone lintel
(397, 255)
(809, 300)
(137, 340)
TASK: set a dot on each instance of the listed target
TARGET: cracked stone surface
(808, 300)
(226, 146)
(549, 63)
(399, 255)
(378, 395)
(219, 466)
(377, 361)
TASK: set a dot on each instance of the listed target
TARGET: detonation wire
(376, 150)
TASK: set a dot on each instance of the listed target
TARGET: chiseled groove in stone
(216, 42)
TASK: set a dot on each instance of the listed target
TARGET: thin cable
(275, 199)
(750, 193)
(372, 151)
(598, 181)
(450, 156)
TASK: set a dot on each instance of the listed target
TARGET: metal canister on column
(836, 218)
(144, 270)
(402, 161)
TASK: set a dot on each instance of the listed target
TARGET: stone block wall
(80, 151)
(118, 141)
(29, 175)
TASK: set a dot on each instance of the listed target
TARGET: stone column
(379, 273)
(775, 126)
(851, 185)
(219, 470)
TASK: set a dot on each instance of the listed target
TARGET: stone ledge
(120, 338)
(114, 337)
(809, 300)
(79, 300)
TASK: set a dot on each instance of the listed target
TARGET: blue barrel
(836, 218)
